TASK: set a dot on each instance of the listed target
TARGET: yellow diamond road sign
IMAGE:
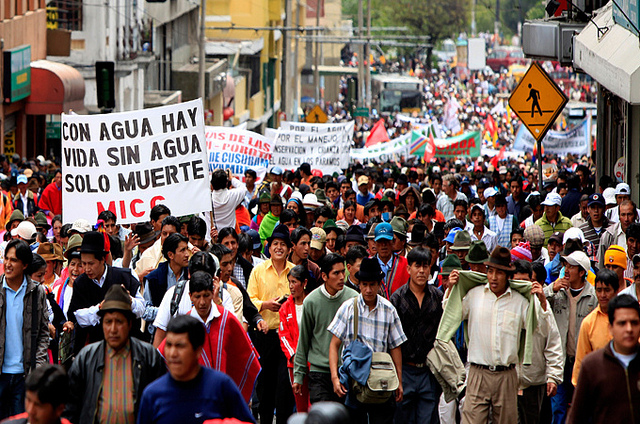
(316, 116)
(537, 101)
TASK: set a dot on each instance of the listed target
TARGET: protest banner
(465, 145)
(324, 146)
(384, 152)
(575, 141)
(238, 150)
(129, 162)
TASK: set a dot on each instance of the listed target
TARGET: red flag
(378, 134)
(429, 149)
(490, 125)
(497, 158)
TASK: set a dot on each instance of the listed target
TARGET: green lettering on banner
(467, 145)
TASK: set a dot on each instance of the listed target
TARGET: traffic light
(352, 93)
(105, 84)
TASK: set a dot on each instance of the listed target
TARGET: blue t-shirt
(14, 345)
(362, 199)
(210, 395)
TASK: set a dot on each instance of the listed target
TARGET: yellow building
(254, 56)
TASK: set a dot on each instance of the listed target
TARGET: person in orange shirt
(594, 331)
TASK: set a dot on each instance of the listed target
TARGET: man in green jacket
(552, 220)
(319, 308)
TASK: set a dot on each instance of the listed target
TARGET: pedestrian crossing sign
(537, 101)
(316, 116)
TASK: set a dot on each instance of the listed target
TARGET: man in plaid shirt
(379, 327)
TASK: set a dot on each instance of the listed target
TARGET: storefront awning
(55, 88)
(610, 54)
(232, 47)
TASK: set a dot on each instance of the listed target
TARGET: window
(69, 13)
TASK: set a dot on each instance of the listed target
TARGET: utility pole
(496, 25)
(295, 74)
(361, 82)
(286, 61)
(473, 18)
(368, 57)
(201, 56)
(316, 59)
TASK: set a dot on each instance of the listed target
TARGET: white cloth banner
(324, 146)
(238, 150)
(576, 141)
(384, 152)
(129, 162)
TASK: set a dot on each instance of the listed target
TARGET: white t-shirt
(625, 359)
(299, 313)
(66, 297)
(164, 310)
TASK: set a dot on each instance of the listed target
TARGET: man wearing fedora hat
(380, 329)
(460, 247)
(107, 378)
(52, 254)
(477, 256)
(496, 315)
(139, 240)
(92, 286)
(267, 287)
(419, 307)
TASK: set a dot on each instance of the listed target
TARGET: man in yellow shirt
(268, 288)
(594, 331)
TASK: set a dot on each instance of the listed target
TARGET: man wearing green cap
(477, 256)
(332, 231)
(450, 263)
(460, 247)
(400, 227)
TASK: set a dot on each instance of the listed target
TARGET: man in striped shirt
(596, 222)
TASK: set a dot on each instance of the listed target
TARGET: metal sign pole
(539, 165)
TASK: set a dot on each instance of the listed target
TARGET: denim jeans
(421, 396)
(560, 402)
(11, 395)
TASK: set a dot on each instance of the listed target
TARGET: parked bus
(396, 93)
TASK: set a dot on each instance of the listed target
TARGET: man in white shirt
(451, 194)
(496, 314)
(226, 200)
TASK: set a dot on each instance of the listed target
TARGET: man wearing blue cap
(394, 267)
(273, 184)
(24, 200)
(597, 221)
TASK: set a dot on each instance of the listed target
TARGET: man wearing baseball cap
(363, 196)
(394, 267)
(489, 194)
(596, 222)
(24, 200)
(571, 299)
(622, 193)
(552, 219)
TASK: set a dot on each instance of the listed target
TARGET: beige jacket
(445, 364)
